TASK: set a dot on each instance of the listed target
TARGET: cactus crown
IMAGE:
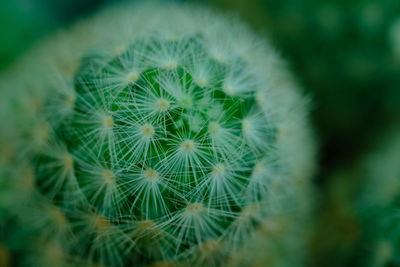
(177, 146)
(167, 135)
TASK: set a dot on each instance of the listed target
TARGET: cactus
(378, 204)
(363, 203)
(157, 135)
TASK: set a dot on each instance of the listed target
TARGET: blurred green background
(340, 51)
(23, 22)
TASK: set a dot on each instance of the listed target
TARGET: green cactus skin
(158, 135)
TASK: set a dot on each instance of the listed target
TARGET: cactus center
(246, 125)
(133, 76)
(188, 146)
(68, 162)
(71, 98)
(119, 49)
(100, 222)
(146, 224)
(258, 168)
(248, 212)
(147, 130)
(214, 128)
(162, 104)
(211, 246)
(58, 216)
(218, 170)
(186, 102)
(195, 208)
(202, 82)
(170, 64)
(108, 121)
(151, 174)
(109, 176)
(228, 89)
(42, 133)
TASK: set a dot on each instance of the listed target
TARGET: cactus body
(158, 135)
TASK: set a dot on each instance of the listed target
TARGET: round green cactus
(157, 135)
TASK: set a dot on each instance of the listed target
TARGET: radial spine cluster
(151, 141)
(175, 143)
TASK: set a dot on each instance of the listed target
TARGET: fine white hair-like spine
(157, 134)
